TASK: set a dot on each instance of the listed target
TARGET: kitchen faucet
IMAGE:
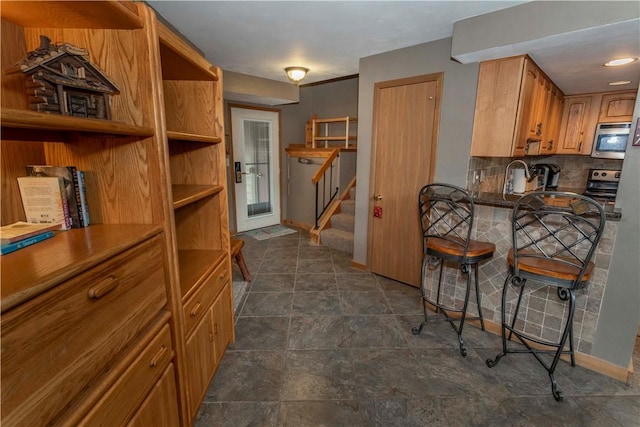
(527, 173)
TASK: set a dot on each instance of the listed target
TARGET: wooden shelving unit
(193, 111)
(326, 132)
(158, 241)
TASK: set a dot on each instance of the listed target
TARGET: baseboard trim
(587, 361)
(359, 266)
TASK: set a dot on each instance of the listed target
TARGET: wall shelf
(186, 194)
(21, 119)
(183, 136)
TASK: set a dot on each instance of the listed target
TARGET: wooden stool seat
(236, 253)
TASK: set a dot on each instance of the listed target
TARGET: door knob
(377, 197)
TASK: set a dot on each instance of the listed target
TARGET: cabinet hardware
(155, 360)
(377, 197)
(195, 309)
(103, 287)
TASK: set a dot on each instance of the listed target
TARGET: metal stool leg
(478, 296)
(417, 329)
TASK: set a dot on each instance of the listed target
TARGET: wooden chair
(236, 253)
(555, 235)
(446, 218)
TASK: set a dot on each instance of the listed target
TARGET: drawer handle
(155, 361)
(103, 288)
(195, 310)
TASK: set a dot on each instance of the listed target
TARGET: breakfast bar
(544, 314)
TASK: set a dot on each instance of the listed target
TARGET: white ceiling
(261, 38)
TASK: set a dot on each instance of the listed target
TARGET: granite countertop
(508, 200)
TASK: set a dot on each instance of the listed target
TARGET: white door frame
(238, 115)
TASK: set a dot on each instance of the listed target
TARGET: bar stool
(446, 218)
(555, 235)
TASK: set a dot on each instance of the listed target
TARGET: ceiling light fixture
(296, 74)
(619, 82)
(621, 61)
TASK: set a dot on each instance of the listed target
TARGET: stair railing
(320, 180)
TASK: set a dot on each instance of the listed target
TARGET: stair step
(352, 193)
(348, 206)
(337, 239)
(343, 221)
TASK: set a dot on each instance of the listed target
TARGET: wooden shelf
(36, 269)
(72, 14)
(186, 194)
(23, 119)
(180, 61)
(334, 138)
(195, 266)
(336, 120)
(183, 136)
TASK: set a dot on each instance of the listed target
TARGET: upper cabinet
(514, 104)
(582, 113)
(617, 107)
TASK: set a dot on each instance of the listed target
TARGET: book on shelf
(21, 230)
(12, 247)
(84, 207)
(44, 200)
(71, 185)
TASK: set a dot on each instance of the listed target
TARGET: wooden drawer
(160, 408)
(123, 398)
(196, 306)
(55, 345)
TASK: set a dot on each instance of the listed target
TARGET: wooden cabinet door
(617, 107)
(575, 115)
(222, 322)
(200, 361)
(160, 408)
(526, 109)
(497, 104)
(541, 92)
(552, 122)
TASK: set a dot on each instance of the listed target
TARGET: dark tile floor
(319, 343)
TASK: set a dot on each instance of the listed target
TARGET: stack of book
(54, 195)
(22, 234)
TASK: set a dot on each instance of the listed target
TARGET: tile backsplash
(574, 170)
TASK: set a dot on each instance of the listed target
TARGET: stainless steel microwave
(611, 140)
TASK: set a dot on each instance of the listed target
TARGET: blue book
(11, 247)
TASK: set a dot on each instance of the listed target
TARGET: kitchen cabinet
(511, 108)
(578, 124)
(617, 107)
(554, 109)
(113, 295)
(583, 112)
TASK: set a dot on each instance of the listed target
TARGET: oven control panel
(604, 175)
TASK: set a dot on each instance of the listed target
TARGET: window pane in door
(257, 140)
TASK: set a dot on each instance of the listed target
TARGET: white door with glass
(256, 168)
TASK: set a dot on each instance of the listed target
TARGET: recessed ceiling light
(621, 61)
(619, 82)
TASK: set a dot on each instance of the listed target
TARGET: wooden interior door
(405, 126)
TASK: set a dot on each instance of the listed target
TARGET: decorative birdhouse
(62, 80)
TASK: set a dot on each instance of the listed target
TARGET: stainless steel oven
(611, 140)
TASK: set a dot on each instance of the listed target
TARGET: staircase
(340, 234)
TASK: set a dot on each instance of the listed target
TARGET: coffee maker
(551, 174)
